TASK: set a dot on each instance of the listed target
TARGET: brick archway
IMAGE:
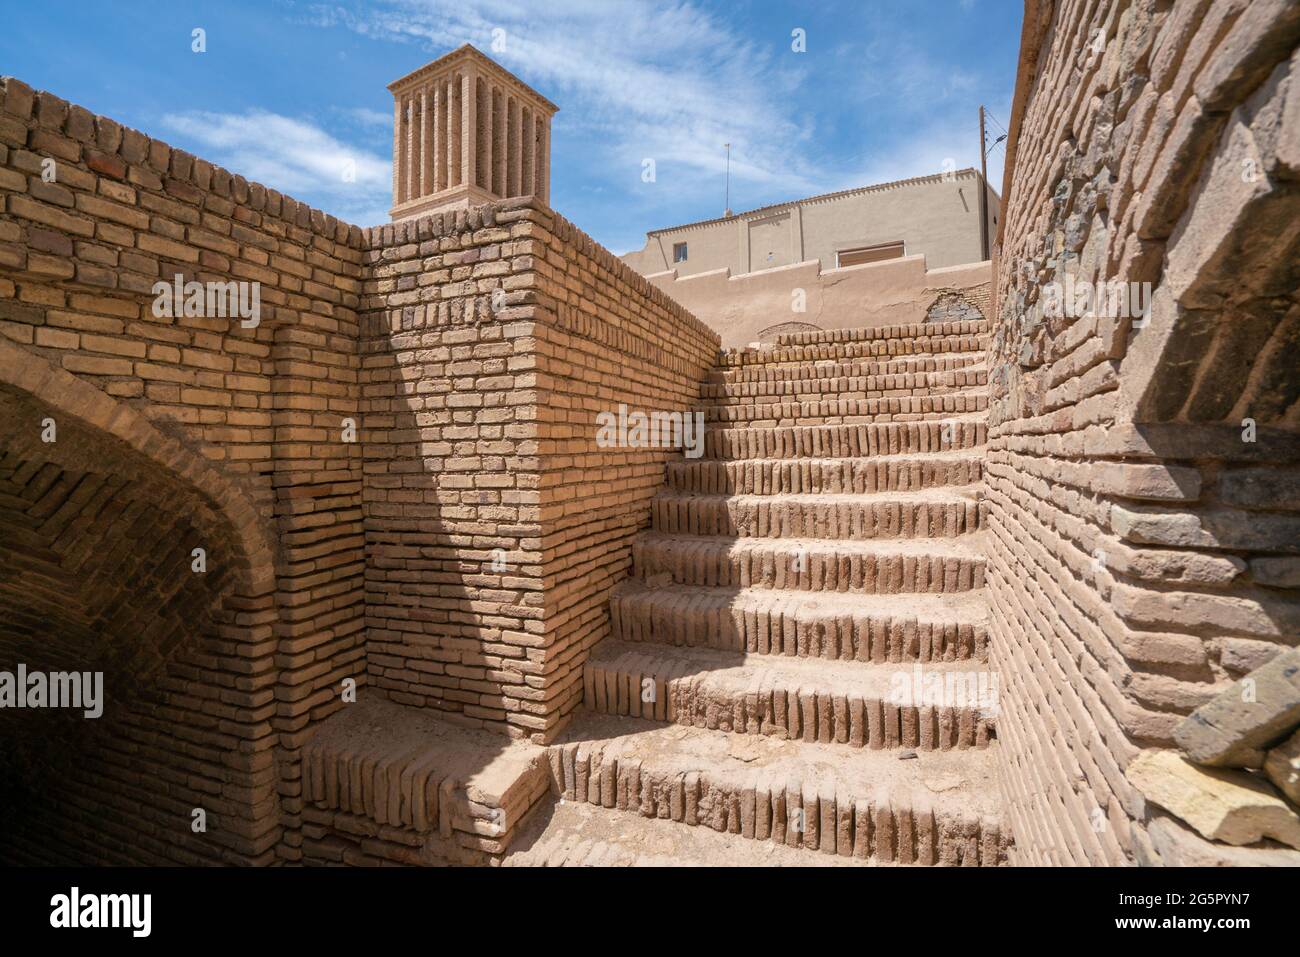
(783, 328)
(66, 393)
(103, 522)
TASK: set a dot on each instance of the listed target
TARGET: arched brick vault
(96, 576)
(64, 392)
(238, 421)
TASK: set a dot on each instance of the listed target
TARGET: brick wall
(220, 427)
(1143, 550)
(495, 526)
(605, 338)
(456, 555)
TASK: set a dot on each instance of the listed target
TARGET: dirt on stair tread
(897, 461)
(980, 417)
(962, 607)
(579, 835)
(960, 781)
(963, 546)
(897, 458)
(891, 330)
(945, 495)
(837, 397)
(924, 345)
(866, 678)
(842, 388)
(745, 401)
(834, 368)
(386, 730)
(960, 418)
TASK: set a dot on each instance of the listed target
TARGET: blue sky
(289, 91)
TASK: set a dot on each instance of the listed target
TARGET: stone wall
(495, 526)
(1142, 474)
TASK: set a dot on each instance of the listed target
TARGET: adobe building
(937, 217)
(852, 258)
(365, 585)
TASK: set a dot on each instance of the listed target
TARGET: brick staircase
(824, 547)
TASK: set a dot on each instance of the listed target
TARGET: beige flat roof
(821, 197)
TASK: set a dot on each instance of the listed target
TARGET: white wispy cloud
(666, 81)
(295, 156)
(670, 81)
(368, 117)
(946, 143)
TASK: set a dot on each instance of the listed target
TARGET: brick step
(821, 371)
(833, 476)
(922, 514)
(845, 441)
(868, 333)
(940, 807)
(899, 628)
(938, 706)
(838, 411)
(406, 775)
(927, 345)
(570, 834)
(844, 387)
(818, 565)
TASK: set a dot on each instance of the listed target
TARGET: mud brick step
(867, 334)
(816, 372)
(844, 387)
(585, 835)
(405, 768)
(864, 349)
(890, 628)
(817, 565)
(835, 411)
(935, 707)
(922, 514)
(825, 476)
(940, 808)
(845, 441)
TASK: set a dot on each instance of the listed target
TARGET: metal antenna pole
(727, 206)
(984, 193)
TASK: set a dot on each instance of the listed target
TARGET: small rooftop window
(679, 252)
(868, 254)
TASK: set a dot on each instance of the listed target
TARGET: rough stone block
(1282, 765)
(1223, 805)
(1234, 729)
(1177, 845)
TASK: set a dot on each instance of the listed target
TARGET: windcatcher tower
(467, 132)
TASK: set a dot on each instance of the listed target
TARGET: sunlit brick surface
(1142, 553)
